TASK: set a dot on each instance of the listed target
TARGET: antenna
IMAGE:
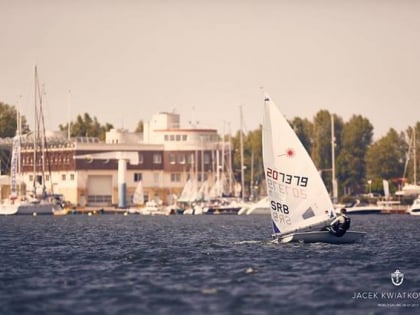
(69, 115)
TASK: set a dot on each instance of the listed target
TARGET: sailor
(340, 224)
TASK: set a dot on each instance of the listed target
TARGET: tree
(355, 140)
(8, 121)
(140, 127)
(303, 129)
(409, 168)
(322, 140)
(8, 127)
(321, 150)
(252, 160)
(385, 158)
(86, 126)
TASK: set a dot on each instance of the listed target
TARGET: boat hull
(364, 210)
(322, 237)
(8, 209)
(415, 207)
(414, 211)
(38, 209)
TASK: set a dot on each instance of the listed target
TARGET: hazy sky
(126, 60)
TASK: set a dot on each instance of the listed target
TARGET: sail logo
(289, 153)
(397, 278)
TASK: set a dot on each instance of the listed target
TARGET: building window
(137, 177)
(166, 137)
(191, 158)
(140, 158)
(31, 178)
(71, 176)
(63, 177)
(172, 159)
(206, 158)
(175, 177)
(184, 137)
(181, 158)
(178, 137)
(156, 179)
(47, 178)
(157, 158)
(172, 137)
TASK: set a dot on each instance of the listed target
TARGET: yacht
(415, 207)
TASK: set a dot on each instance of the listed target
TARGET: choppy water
(114, 264)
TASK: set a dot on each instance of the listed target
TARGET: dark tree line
(86, 126)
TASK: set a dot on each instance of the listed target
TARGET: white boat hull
(8, 209)
(415, 207)
(322, 237)
(414, 211)
(364, 210)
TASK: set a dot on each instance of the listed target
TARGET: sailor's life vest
(339, 228)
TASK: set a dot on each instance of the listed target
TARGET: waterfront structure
(85, 170)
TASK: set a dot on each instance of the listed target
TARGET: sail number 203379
(301, 181)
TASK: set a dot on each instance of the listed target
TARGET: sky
(123, 61)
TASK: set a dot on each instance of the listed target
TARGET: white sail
(203, 193)
(187, 194)
(138, 197)
(298, 198)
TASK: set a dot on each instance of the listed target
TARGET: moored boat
(415, 207)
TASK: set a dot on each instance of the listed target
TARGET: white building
(85, 170)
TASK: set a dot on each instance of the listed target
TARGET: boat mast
(69, 113)
(334, 179)
(230, 162)
(251, 184)
(242, 157)
(36, 87)
(414, 157)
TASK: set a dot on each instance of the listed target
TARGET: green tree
(322, 140)
(409, 169)
(303, 129)
(385, 159)
(86, 126)
(8, 126)
(140, 126)
(8, 121)
(254, 171)
(252, 161)
(321, 149)
(351, 167)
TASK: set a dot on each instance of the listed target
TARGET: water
(115, 264)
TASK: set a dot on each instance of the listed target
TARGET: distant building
(168, 156)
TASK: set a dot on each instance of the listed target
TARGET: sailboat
(11, 205)
(33, 203)
(138, 199)
(299, 201)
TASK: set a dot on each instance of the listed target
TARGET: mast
(414, 157)
(251, 184)
(334, 179)
(36, 87)
(69, 113)
(230, 162)
(242, 157)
